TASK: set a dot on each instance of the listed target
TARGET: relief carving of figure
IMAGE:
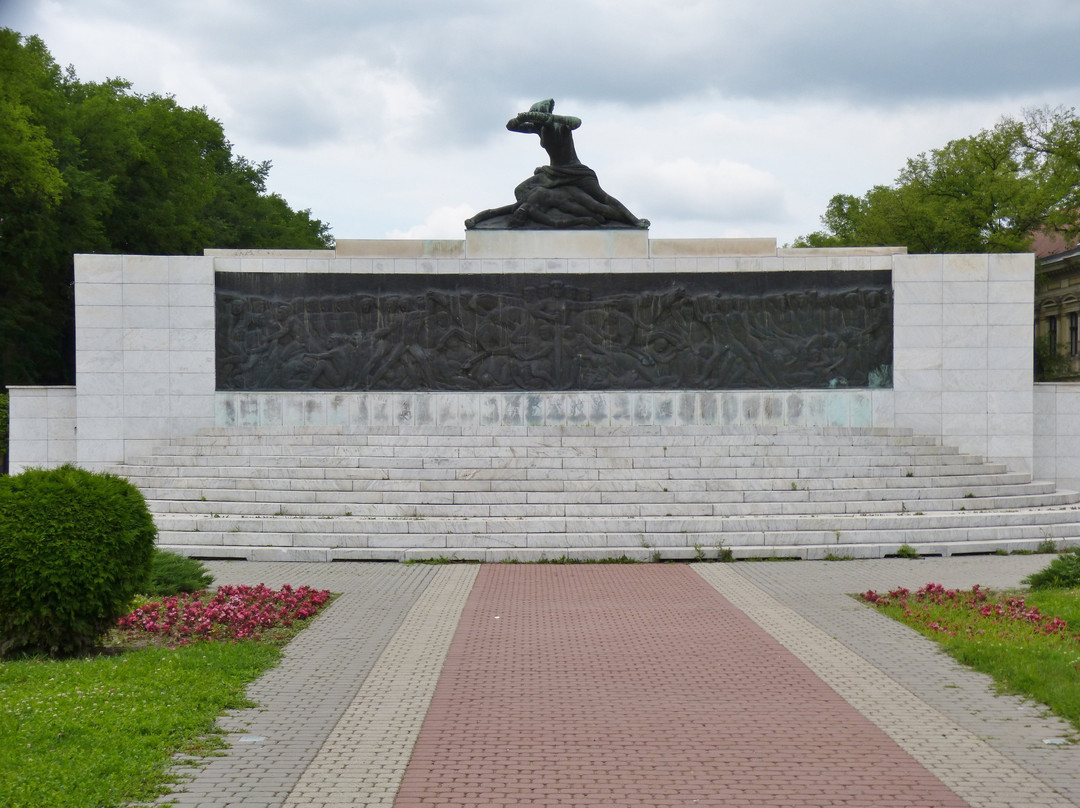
(587, 333)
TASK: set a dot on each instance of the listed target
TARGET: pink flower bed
(230, 613)
(920, 607)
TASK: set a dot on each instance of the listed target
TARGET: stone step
(435, 542)
(718, 490)
(520, 468)
(435, 472)
(349, 507)
(188, 455)
(821, 489)
(325, 494)
(364, 528)
(562, 436)
(568, 553)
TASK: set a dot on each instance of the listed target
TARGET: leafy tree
(990, 192)
(94, 167)
(1052, 144)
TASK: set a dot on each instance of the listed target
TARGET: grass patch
(92, 733)
(1029, 643)
(1060, 603)
(107, 730)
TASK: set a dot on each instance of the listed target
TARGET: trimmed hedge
(75, 547)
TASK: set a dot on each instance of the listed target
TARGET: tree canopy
(95, 167)
(991, 192)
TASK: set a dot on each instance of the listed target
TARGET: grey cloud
(642, 51)
(875, 53)
(475, 61)
(476, 65)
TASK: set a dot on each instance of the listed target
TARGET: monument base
(490, 475)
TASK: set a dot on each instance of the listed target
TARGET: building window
(1052, 333)
(1074, 333)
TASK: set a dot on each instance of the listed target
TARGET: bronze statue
(562, 195)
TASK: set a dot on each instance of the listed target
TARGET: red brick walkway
(640, 686)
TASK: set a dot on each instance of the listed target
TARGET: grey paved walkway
(1013, 727)
(337, 719)
(301, 701)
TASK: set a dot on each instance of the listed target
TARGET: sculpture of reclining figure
(562, 195)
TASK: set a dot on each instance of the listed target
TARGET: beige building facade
(1057, 313)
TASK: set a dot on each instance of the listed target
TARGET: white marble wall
(963, 346)
(42, 432)
(144, 352)
(1057, 434)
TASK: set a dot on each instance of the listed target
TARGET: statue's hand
(528, 122)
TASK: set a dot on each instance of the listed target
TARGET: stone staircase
(530, 493)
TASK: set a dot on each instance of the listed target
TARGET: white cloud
(687, 188)
(443, 222)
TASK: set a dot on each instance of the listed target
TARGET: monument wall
(1057, 434)
(147, 348)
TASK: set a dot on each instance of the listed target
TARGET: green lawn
(107, 730)
(90, 733)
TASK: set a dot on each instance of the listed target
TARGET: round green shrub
(75, 547)
(172, 574)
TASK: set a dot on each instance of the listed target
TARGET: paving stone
(988, 747)
(301, 700)
(362, 760)
(637, 685)
(725, 684)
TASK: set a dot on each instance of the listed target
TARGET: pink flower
(232, 612)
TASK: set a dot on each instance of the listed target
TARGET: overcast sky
(715, 118)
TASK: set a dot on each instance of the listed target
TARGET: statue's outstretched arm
(532, 122)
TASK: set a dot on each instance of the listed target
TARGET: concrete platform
(664, 684)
